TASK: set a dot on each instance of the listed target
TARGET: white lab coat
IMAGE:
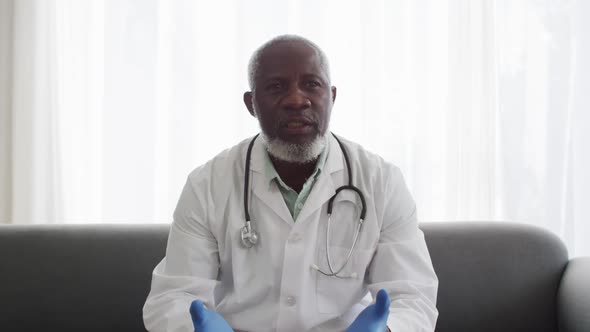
(272, 287)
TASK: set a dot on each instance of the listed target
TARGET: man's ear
(333, 94)
(249, 103)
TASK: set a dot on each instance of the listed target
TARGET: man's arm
(190, 268)
(402, 264)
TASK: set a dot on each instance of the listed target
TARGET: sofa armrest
(573, 298)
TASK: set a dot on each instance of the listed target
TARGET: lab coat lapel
(327, 182)
(260, 184)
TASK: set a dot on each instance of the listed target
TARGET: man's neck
(294, 174)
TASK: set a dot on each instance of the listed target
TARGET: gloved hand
(374, 317)
(206, 320)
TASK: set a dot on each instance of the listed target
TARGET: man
(290, 268)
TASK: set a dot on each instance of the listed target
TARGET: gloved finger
(382, 302)
(197, 310)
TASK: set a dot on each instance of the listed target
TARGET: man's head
(291, 96)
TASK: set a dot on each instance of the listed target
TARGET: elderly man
(296, 229)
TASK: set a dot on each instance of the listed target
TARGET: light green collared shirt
(294, 200)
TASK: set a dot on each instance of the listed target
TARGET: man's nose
(296, 100)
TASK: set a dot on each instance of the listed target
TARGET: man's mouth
(296, 124)
(298, 127)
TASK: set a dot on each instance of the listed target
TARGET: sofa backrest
(77, 277)
(493, 276)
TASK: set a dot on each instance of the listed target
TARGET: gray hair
(254, 62)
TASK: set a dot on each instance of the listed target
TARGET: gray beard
(294, 153)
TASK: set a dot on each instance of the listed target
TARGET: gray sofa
(493, 277)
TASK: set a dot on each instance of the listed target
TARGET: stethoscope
(250, 236)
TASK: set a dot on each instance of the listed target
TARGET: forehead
(289, 58)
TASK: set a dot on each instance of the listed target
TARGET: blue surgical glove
(206, 320)
(374, 317)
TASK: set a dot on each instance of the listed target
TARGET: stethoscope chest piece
(249, 236)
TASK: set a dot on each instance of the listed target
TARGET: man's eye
(312, 84)
(274, 86)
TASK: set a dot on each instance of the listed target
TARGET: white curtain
(106, 106)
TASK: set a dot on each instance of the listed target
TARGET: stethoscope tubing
(250, 236)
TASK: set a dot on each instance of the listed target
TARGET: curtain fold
(6, 42)
(106, 106)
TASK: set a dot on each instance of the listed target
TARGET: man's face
(293, 98)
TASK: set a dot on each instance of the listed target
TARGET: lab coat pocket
(334, 294)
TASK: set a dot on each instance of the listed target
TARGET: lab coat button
(294, 238)
(291, 301)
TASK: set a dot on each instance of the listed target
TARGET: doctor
(254, 245)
